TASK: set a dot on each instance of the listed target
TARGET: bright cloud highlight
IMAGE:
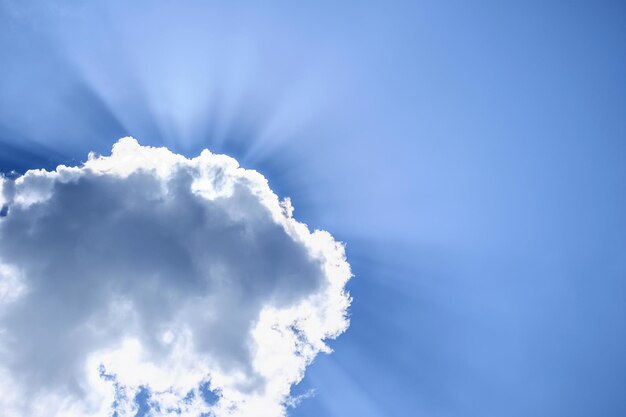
(145, 277)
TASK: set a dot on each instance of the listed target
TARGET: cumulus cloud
(145, 277)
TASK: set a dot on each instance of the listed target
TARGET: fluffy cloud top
(147, 277)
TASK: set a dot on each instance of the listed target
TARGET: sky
(472, 157)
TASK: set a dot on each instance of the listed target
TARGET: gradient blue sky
(471, 154)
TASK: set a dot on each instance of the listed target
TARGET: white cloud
(147, 272)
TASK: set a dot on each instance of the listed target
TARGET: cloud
(144, 278)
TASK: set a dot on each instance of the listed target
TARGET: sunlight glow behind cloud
(147, 273)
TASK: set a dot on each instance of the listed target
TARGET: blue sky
(471, 155)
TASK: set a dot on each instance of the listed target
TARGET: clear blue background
(471, 154)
